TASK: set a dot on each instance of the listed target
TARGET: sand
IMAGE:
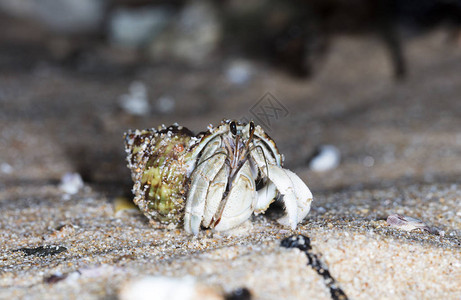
(400, 148)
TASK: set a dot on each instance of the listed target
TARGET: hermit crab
(215, 179)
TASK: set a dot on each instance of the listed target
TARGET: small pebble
(71, 183)
(54, 278)
(122, 204)
(327, 157)
(165, 104)
(167, 288)
(43, 250)
(6, 168)
(61, 232)
(238, 72)
(136, 102)
(408, 224)
(368, 161)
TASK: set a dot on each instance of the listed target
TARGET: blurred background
(356, 93)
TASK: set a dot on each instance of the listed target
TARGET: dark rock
(43, 250)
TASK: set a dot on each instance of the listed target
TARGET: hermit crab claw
(296, 195)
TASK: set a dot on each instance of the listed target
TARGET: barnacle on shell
(158, 160)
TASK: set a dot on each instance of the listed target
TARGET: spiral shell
(159, 164)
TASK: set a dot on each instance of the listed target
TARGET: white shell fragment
(328, 158)
(165, 104)
(166, 288)
(136, 102)
(408, 224)
(6, 168)
(239, 72)
(134, 27)
(71, 183)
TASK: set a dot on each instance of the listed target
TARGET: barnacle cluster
(159, 168)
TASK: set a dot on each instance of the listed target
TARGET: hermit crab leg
(239, 202)
(206, 170)
(215, 194)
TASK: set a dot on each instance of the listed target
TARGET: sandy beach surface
(400, 147)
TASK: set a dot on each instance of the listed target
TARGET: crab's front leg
(296, 195)
(240, 201)
(204, 175)
(214, 195)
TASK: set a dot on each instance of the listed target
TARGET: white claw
(303, 195)
(296, 195)
(266, 196)
(286, 187)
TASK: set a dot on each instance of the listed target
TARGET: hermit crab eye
(252, 127)
(233, 128)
